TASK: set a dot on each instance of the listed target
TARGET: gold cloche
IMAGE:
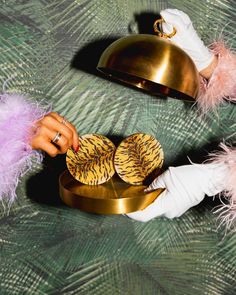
(152, 63)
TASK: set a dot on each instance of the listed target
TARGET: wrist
(213, 178)
(207, 72)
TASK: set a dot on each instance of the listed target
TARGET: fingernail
(77, 148)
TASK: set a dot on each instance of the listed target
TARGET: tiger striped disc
(137, 157)
(93, 163)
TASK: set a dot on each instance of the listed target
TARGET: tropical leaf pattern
(49, 50)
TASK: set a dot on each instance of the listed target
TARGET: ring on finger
(56, 137)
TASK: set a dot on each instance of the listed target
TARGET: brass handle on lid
(159, 32)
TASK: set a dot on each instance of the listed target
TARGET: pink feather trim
(222, 84)
(17, 116)
(227, 157)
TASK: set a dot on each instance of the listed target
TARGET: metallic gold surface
(112, 197)
(137, 157)
(159, 32)
(153, 64)
(93, 163)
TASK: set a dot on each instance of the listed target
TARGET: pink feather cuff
(222, 84)
(227, 157)
(17, 117)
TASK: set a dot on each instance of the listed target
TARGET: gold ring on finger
(56, 137)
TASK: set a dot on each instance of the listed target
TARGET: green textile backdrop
(49, 50)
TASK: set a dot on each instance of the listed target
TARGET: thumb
(158, 182)
(158, 208)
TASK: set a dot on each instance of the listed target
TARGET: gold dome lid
(153, 64)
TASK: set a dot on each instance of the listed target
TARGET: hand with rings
(54, 135)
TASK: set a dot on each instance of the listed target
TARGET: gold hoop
(159, 32)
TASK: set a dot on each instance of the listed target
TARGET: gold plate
(137, 157)
(112, 197)
(93, 163)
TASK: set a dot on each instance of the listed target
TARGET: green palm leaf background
(49, 50)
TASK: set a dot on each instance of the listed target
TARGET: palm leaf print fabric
(49, 50)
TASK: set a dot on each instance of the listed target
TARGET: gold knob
(159, 32)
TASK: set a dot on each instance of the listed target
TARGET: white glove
(186, 37)
(186, 187)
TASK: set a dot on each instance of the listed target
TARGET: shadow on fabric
(198, 155)
(86, 59)
(43, 187)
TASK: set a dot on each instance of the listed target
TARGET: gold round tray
(113, 197)
(137, 157)
(93, 163)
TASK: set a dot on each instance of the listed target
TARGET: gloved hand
(186, 37)
(186, 187)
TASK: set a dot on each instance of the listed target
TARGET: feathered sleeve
(227, 158)
(17, 117)
(222, 84)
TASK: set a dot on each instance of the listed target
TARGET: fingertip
(163, 13)
(167, 13)
(76, 142)
(76, 149)
(76, 146)
(148, 189)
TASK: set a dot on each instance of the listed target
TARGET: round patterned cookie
(93, 163)
(137, 157)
